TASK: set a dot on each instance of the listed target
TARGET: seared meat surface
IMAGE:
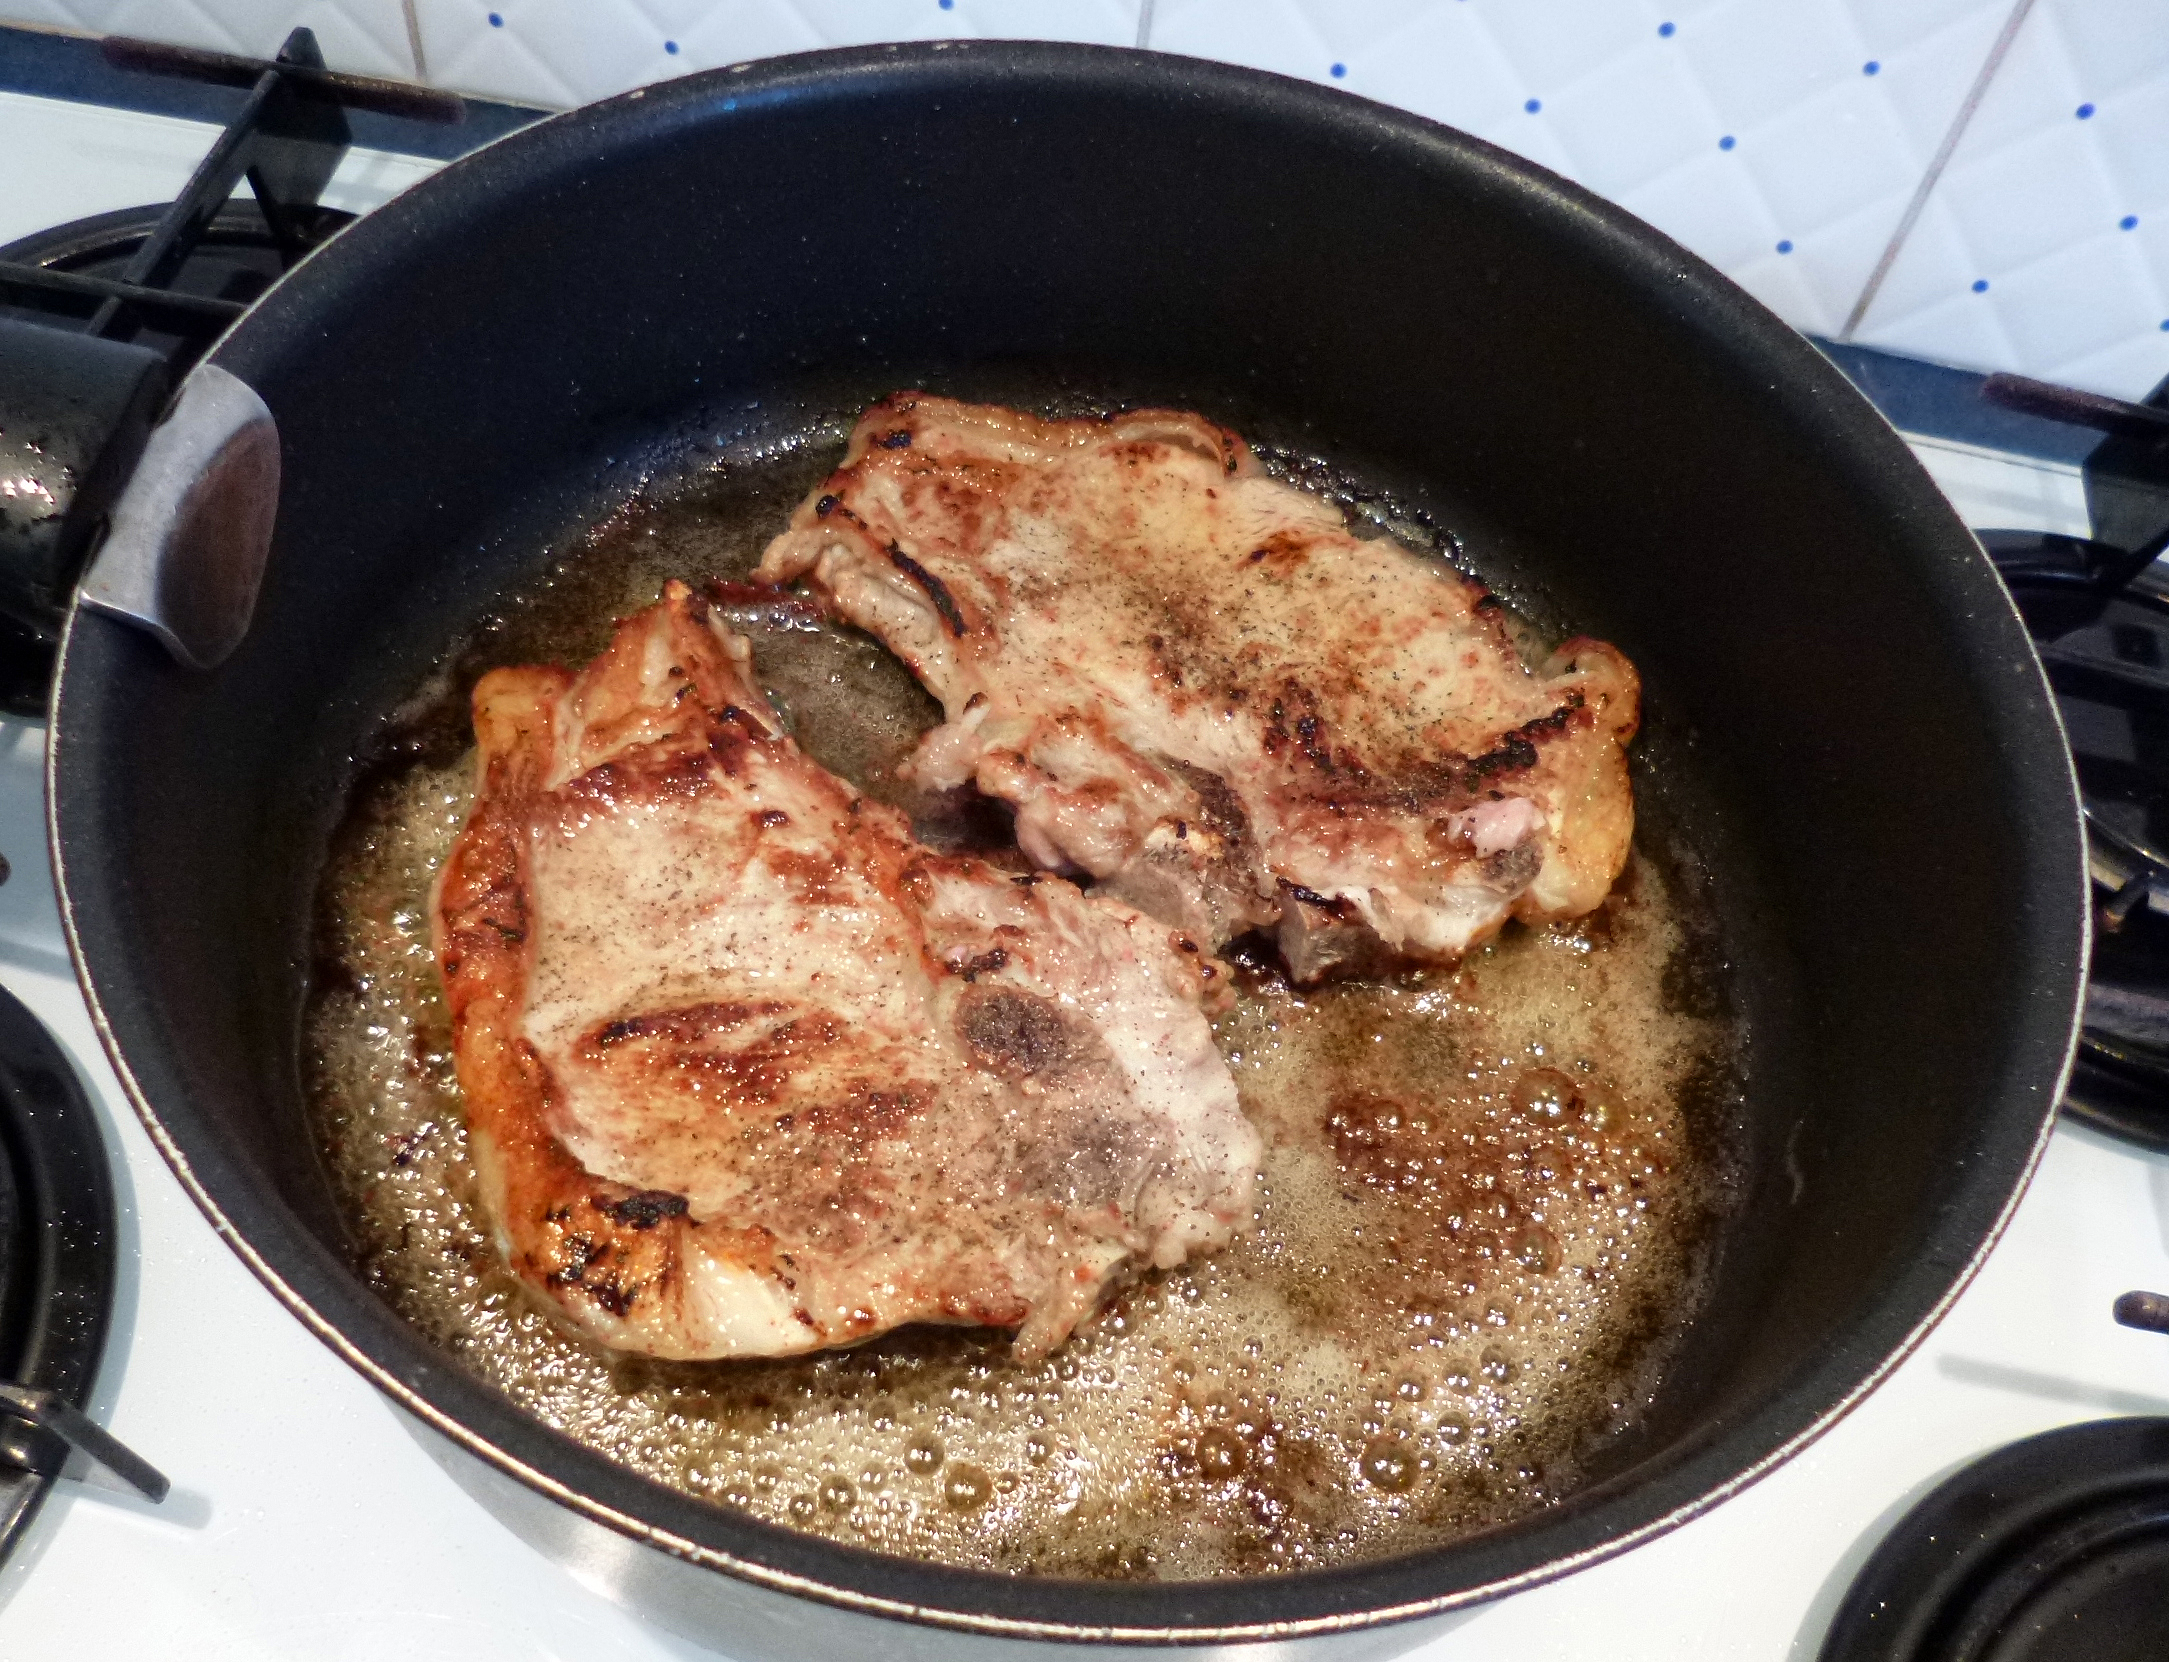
(749, 1072)
(1193, 683)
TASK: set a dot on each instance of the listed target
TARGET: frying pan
(1847, 721)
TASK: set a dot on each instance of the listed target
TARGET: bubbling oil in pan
(1479, 1221)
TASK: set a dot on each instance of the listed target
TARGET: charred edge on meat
(1306, 733)
(936, 590)
(582, 1252)
(1517, 750)
(831, 504)
(1219, 807)
(645, 1208)
(1311, 897)
(686, 1026)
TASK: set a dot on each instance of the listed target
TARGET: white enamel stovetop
(307, 1524)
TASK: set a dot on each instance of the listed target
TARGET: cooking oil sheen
(1478, 1227)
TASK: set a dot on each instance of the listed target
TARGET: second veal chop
(749, 1072)
(1192, 682)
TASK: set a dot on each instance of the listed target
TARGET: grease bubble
(1545, 1094)
(966, 1489)
(1390, 1464)
(1220, 1454)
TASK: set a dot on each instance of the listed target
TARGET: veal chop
(749, 1072)
(1193, 683)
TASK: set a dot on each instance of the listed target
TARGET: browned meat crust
(1194, 684)
(748, 1071)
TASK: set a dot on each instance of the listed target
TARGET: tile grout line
(1936, 164)
(1144, 24)
(414, 39)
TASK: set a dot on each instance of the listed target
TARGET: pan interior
(1490, 1193)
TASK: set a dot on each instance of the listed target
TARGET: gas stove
(309, 1519)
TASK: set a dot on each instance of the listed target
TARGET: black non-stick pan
(1847, 719)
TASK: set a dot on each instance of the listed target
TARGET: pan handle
(185, 553)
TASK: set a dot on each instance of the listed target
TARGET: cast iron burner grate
(101, 319)
(56, 1276)
(2054, 1549)
(2099, 612)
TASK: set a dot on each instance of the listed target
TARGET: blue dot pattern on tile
(1980, 285)
(2086, 112)
(1785, 247)
(1665, 29)
(1727, 142)
(496, 22)
(948, 5)
(2130, 222)
(1871, 67)
(1338, 70)
(671, 47)
(1533, 105)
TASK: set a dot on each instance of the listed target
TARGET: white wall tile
(1638, 116)
(1712, 204)
(558, 52)
(563, 52)
(859, 22)
(1440, 62)
(720, 35)
(1634, 98)
(364, 37)
(1637, 100)
(1280, 35)
(1555, 43)
(2022, 260)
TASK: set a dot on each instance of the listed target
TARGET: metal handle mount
(184, 554)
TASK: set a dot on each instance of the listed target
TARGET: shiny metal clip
(185, 553)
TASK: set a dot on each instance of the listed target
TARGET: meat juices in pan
(1475, 1233)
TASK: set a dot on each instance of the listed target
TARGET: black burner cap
(56, 1251)
(2055, 1549)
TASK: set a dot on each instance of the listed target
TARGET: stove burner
(100, 320)
(56, 1274)
(235, 257)
(2099, 612)
(2055, 1549)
